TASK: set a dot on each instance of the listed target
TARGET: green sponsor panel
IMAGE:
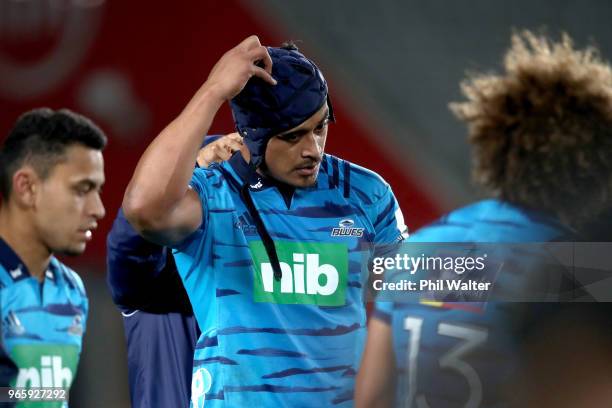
(313, 273)
(46, 365)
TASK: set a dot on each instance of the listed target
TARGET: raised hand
(231, 73)
(219, 150)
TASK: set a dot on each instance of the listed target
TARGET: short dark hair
(40, 138)
(541, 132)
(289, 45)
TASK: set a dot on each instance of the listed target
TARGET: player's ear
(25, 187)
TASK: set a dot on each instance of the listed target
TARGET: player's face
(294, 156)
(68, 203)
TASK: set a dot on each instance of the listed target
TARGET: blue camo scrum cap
(262, 110)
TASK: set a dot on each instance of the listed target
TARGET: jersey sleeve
(388, 223)
(76, 282)
(374, 196)
(133, 264)
(85, 306)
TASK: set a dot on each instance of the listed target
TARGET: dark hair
(40, 138)
(289, 45)
(542, 131)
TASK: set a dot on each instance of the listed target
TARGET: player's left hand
(219, 150)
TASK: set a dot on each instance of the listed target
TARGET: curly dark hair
(541, 132)
(40, 138)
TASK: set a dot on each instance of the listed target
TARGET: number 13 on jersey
(469, 339)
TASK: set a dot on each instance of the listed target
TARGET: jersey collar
(13, 264)
(256, 181)
(16, 268)
(241, 168)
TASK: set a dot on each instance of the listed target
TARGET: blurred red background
(132, 65)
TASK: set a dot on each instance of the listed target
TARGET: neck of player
(20, 235)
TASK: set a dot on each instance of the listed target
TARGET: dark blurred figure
(566, 349)
(160, 329)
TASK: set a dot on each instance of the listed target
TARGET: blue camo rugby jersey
(296, 342)
(42, 325)
(461, 354)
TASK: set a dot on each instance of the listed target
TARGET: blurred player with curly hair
(541, 137)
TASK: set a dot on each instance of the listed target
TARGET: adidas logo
(245, 223)
(13, 324)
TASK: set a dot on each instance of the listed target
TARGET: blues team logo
(76, 328)
(346, 228)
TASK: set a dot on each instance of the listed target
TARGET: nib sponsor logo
(49, 373)
(346, 229)
(45, 365)
(313, 273)
(293, 276)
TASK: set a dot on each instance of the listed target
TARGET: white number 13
(472, 337)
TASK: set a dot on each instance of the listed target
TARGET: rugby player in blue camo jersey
(267, 243)
(51, 173)
(160, 328)
(542, 140)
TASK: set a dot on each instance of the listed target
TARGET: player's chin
(304, 181)
(298, 179)
(73, 249)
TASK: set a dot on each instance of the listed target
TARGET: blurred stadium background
(392, 66)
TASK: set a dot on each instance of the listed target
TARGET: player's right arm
(138, 270)
(158, 202)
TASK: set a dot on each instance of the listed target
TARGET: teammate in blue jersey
(51, 173)
(541, 139)
(160, 328)
(267, 243)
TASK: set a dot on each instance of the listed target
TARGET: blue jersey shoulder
(493, 221)
(72, 278)
(357, 183)
(210, 176)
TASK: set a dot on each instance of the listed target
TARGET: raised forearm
(157, 202)
(162, 175)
